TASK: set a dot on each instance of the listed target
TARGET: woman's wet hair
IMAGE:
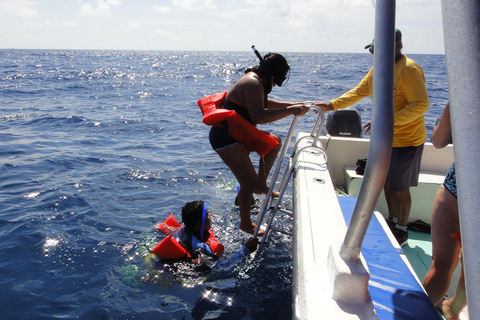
(275, 68)
(192, 213)
(278, 66)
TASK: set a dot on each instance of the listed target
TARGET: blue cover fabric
(394, 291)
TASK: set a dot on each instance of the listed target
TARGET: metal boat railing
(461, 30)
(271, 206)
(381, 137)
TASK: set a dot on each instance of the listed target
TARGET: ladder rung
(290, 213)
(280, 230)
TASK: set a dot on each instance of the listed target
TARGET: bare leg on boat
(445, 249)
(451, 308)
(398, 203)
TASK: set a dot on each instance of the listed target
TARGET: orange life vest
(239, 128)
(170, 248)
(169, 226)
(213, 243)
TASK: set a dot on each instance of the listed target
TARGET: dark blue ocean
(96, 147)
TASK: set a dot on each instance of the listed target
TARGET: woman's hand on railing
(318, 105)
(312, 105)
(299, 109)
(367, 127)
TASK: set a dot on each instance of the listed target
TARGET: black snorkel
(262, 62)
(277, 78)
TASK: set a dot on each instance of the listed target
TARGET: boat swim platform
(393, 291)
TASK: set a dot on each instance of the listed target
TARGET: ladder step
(281, 231)
(288, 212)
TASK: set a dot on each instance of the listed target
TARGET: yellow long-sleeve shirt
(410, 102)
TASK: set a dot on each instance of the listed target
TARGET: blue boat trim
(395, 292)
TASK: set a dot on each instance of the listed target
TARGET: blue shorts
(404, 167)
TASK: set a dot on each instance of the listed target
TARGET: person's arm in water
(205, 260)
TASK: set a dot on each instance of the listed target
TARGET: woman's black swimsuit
(219, 137)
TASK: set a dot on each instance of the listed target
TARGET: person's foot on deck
(448, 311)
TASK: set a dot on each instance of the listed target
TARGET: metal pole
(381, 138)
(461, 29)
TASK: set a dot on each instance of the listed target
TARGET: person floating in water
(195, 241)
(248, 97)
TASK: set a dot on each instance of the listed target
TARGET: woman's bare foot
(250, 228)
(448, 312)
(264, 190)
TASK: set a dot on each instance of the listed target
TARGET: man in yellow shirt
(409, 133)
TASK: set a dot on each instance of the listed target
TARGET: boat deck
(395, 289)
(395, 274)
(323, 284)
(419, 252)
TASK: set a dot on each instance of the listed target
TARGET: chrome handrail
(318, 127)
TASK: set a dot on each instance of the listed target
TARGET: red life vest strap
(239, 128)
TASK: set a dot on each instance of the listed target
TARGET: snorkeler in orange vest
(195, 242)
(248, 98)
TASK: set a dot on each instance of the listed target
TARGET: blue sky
(223, 25)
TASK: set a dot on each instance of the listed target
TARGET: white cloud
(19, 8)
(195, 4)
(161, 9)
(69, 24)
(272, 25)
(102, 7)
(280, 7)
(164, 38)
(132, 26)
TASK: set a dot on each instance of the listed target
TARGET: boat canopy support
(382, 130)
(461, 30)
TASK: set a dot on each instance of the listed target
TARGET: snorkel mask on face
(278, 76)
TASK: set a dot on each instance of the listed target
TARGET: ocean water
(96, 147)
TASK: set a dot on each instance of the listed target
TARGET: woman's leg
(451, 308)
(265, 165)
(237, 158)
(445, 249)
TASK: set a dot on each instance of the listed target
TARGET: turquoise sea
(96, 147)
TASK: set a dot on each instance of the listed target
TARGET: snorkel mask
(279, 77)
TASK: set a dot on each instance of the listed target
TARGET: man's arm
(351, 97)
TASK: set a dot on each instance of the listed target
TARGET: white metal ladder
(271, 206)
